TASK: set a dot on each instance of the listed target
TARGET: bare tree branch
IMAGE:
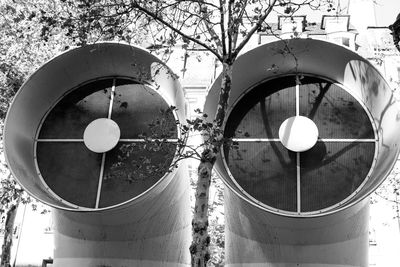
(258, 24)
(222, 23)
(230, 28)
(137, 6)
(214, 35)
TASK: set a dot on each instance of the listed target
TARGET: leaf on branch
(288, 10)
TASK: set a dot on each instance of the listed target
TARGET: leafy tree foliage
(395, 28)
(22, 50)
(25, 45)
(35, 30)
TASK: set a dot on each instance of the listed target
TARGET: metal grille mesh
(81, 176)
(332, 172)
(70, 170)
(266, 172)
(336, 113)
(308, 181)
(69, 118)
(260, 113)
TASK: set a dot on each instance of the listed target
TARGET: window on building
(291, 24)
(335, 23)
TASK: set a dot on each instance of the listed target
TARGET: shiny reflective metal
(333, 63)
(55, 79)
(151, 229)
(260, 235)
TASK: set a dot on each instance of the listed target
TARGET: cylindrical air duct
(315, 130)
(74, 139)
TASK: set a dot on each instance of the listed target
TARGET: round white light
(298, 133)
(101, 135)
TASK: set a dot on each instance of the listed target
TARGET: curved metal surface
(310, 181)
(333, 63)
(154, 231)
(56, 79)
(256, 238)
(151, 229)
(260, 235)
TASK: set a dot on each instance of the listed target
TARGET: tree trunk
(199, 249)
(8, 235)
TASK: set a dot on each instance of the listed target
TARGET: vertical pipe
(155, 231)
(258, 238)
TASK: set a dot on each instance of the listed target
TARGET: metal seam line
(298, 182)
(319, 140)
(347, 140)
(112, 99)
(297, 100)
(120, 140)
(103, 158)
(59, 140)
(142, 140)
(298, 153)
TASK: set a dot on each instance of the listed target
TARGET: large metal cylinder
(256, 238)
(74, 140)
(307, 206)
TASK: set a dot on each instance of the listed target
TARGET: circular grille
(80, 176)
(299, 182)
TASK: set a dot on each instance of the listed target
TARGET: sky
(386, 11)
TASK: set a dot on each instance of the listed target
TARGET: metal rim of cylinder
(333, 63)
(66, 72)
